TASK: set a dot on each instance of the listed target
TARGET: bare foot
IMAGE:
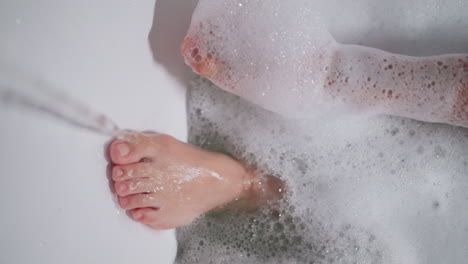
(165, 183)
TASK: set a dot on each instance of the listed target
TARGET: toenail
(122, 187)
(123, 202)
(123, 149)
(119, 173)
(137, 216)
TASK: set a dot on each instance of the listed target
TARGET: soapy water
(19, 88)
(358, 189)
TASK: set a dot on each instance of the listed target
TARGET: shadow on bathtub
(170, 24)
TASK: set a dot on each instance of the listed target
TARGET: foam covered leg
(282, 57)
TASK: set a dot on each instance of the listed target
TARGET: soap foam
(358, 189)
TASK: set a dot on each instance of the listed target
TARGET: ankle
(260, 189)
(249, 178)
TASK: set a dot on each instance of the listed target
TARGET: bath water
(19, 88)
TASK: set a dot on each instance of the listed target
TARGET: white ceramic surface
(119, 57)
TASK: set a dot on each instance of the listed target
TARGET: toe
(125, 152)
(132, 171)
(138, 201)
(151, 217)
(141, 185)
(145, 215)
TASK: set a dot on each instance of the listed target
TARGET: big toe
(124, 151)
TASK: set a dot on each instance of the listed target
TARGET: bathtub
(120, 58)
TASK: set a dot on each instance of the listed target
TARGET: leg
(361, 79)
(432, 89)
(165, 183)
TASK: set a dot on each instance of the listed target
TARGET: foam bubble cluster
(358, 190)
